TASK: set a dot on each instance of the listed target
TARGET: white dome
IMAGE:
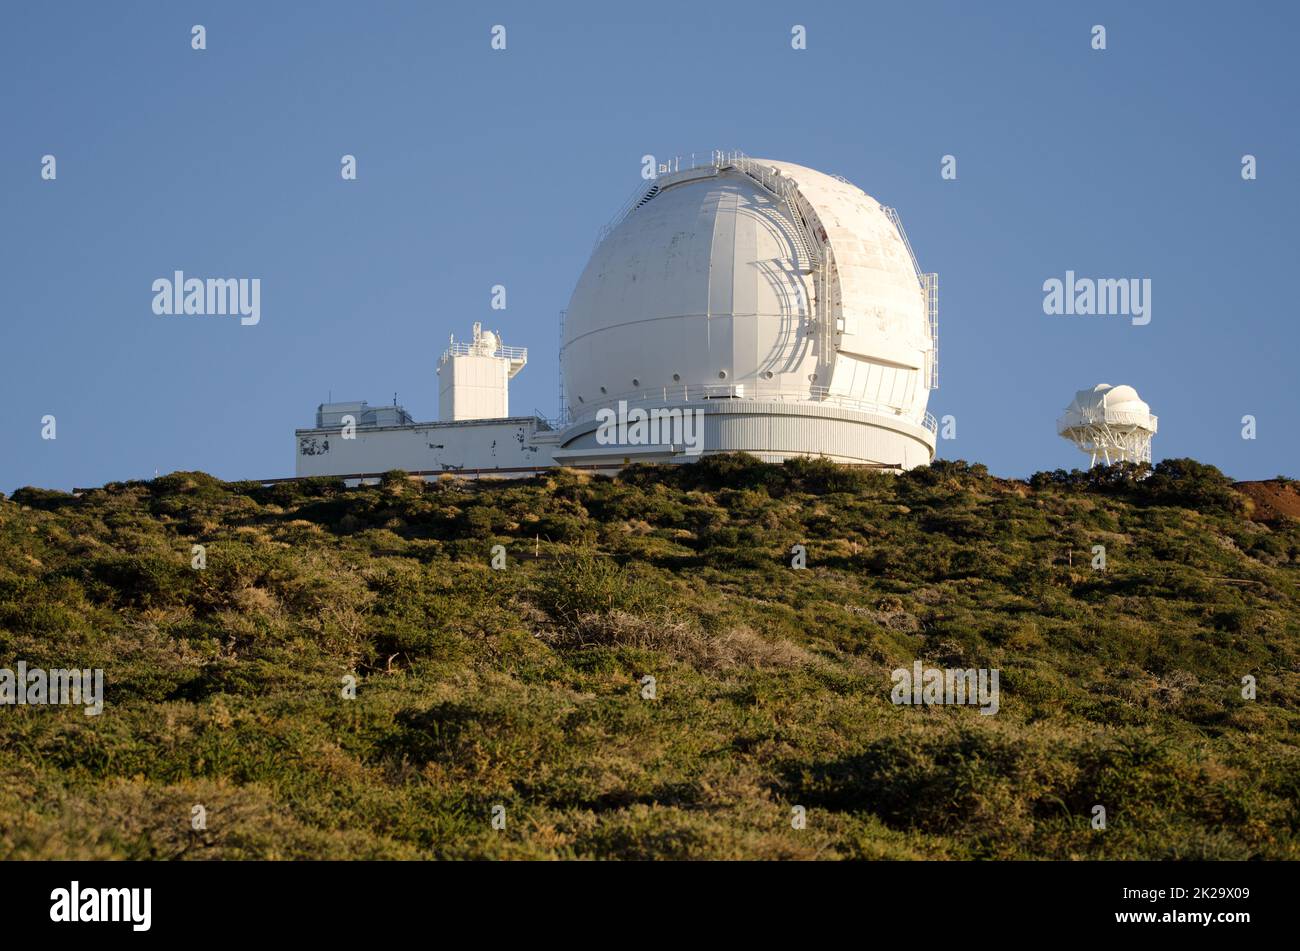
(709, 286)
(1117, 405)
(1110, 424)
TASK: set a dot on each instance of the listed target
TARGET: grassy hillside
(523, 687)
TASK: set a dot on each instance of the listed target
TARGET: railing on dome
(467, 348)
(649, 187)
(625, 209)
(930, 288)
(563, 403)
(718, 159)
(897, 222)
(816, 252)
(1107, 443)
(702, 392)
(1106, 418)
(932, 318)
(786, 190)
(814, 247)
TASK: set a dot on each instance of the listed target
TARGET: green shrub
(49, 500)
(524, 686)
(584, 583)
(1188, 483)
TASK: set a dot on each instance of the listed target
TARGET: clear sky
(479, 167)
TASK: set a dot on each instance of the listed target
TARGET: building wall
(520, 446)
(778, 431)
(515, 443)
(473, 386)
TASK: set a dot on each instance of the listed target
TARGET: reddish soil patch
(1272, 499)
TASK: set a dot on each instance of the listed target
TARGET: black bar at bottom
(358, 901)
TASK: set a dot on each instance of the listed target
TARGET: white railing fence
(467, 348)
(703, 392)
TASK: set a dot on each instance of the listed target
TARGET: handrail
(563, 401)
(626, 209)
(757, 393)
(716, 160)
(930, 288)
(897, 222)
(466, 348)
(821, 261)
(787, 190)
(1106, 418)
(821, 257)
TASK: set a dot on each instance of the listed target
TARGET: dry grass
(685, 640)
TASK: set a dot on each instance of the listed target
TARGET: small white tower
(1110, 423)
(474, 377)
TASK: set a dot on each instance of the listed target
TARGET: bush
(143, 581)
(957, 472)
(47, 499)
(821, 476)
(591, 584)
(1191, 484)
(522, 686)
(563, 528)
(188, 483)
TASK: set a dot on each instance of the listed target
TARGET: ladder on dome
(811, 257)
(932, 317)
(804, 254)
(563, 418)
(786, 191)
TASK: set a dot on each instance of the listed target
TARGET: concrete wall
(473, 386)
(521, 445)
(777, 431)
(518, 443)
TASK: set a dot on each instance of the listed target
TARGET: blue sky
(479, 167)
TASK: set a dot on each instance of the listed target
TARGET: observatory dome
(1110, 423)
(1117, 405)
(755, 282)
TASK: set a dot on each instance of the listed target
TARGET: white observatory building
(1110, 423)
(780, 308)
(474, 378)
(783, 303)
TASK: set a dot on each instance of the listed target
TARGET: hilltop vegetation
(523, 687)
